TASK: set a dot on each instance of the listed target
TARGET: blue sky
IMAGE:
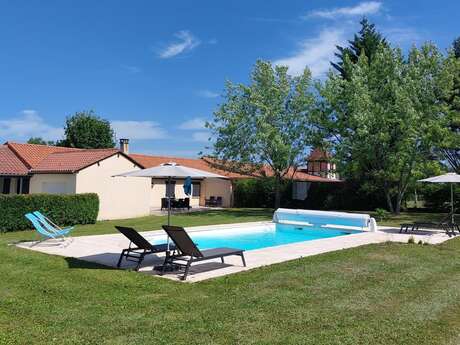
(156, 69)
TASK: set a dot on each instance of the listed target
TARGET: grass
(376, 294)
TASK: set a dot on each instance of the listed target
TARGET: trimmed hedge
(62, 209)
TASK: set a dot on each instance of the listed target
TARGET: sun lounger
(189, 253)
(445, 224)
(50, 226)
(139, 247)
(41, 229)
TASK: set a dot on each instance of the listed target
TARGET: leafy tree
(451, 147)
(264, 124)
(86, 130)
(366, 41)
(40, 141)
(384, 120)
(456, 47)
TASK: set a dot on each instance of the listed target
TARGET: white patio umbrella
(446, 178)
(171, 171)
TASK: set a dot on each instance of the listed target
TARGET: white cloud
(196, 123)
(185, 42)
(201, 136)
(138, 130)
(316, 53)
(402, 35)
(363, 8)
(207, 94)
(29, 124)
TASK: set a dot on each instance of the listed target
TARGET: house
(319, 163)
(29, 168)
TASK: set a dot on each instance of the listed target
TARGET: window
(196, 189)
(54, 187)
(170, 189)
(6, 185)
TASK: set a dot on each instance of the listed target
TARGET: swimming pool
(257, 237)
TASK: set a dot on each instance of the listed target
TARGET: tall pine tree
(366, 40)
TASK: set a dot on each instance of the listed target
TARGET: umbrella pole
(452, 201)
(169, 207)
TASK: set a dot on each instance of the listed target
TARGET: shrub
(411, 240)
(381, 214)
(62, 209)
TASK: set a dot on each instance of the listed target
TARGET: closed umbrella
(446, 178)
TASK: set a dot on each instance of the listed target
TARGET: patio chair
(188, 252)
(39, 227)
(219, 201)
(187, 203)
(50, 226)
(139, 247)
(164, 203)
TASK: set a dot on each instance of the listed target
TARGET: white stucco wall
(217, 187)
(59, 183)
(119, 197)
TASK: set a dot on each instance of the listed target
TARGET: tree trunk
(389, 202)
(277, 191)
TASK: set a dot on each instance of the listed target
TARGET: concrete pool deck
(105, 250)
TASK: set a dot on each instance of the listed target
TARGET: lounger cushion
(219, 251)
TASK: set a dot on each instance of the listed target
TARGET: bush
(62, 209)
(259, 192)
(381, 214)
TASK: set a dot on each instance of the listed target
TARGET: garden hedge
(62, 209)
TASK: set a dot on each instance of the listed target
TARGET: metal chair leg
(121, 257)
(186, 270)
(242, 259)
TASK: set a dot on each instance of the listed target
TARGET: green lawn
(376, 294)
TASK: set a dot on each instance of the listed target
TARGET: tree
(366, 41)
(40, 141)
(451, 147)
(384, 120)
(456, 47)
(264, 123)
(86, 130)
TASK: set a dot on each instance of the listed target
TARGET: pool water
(261, 236)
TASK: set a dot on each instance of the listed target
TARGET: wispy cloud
(207, 94)
(185, 42)
(28, 124)
(201, 136)
(402, 35)
(196, 123)
(138, 130)
(316, 53)
(363, 8)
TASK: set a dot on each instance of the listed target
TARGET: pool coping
(105, 249)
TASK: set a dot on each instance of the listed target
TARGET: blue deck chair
(45, 234)
(50, 226)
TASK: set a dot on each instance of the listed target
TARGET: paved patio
(105, 250)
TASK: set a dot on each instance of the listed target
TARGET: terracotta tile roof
(32, 154)
(205, 164)
(319, 155)
(10, 164)
(73, 161)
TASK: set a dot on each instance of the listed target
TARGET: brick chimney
(124, 145)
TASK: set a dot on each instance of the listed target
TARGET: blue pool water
(262, 236)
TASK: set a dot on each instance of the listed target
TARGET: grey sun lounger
(188, 253)
(139, 247)
(445, 224)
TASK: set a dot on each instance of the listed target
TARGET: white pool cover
(324, 219)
